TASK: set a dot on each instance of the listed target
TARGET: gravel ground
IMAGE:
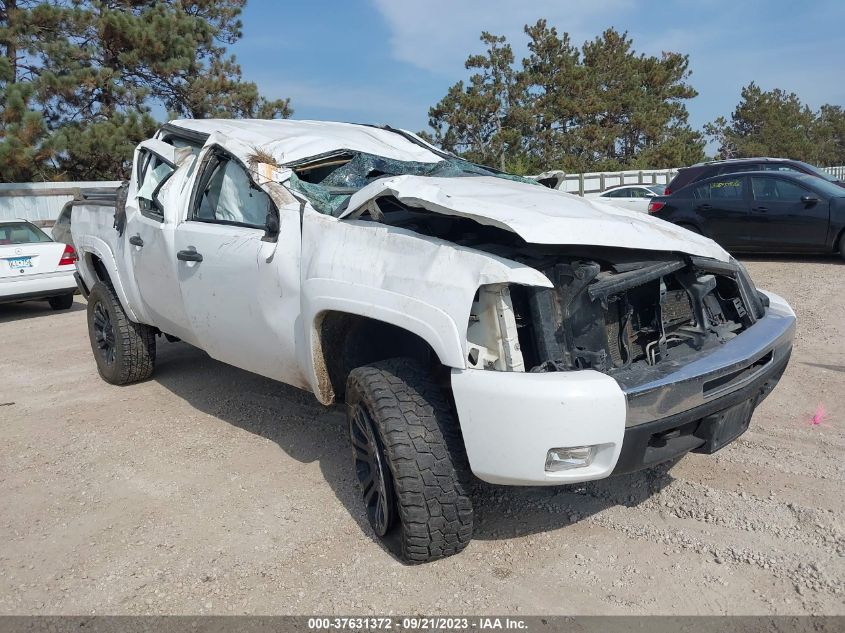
(211, 490)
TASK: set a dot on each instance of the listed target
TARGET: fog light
(566, 458)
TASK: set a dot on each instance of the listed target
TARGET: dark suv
(687, 175)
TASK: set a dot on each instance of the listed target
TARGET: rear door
(150, 239)
(722, 206)
(782, 221)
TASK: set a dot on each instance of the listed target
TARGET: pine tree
(773, 123)
(600, 107)
(80, 78)
(484, 120)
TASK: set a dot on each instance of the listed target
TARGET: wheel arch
(97, 263)
(338, 324)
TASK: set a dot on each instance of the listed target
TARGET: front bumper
(510, 420)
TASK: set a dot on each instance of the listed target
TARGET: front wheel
(409, 460)
(125, 351)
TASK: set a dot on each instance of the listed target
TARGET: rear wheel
(409, 460)
(62, 302)
(125, 351)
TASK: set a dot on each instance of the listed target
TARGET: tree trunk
(8, 15)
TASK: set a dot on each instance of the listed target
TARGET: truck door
(149, 234)
(240, 286)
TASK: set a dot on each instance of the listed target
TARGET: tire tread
(136, 345)
(425, 453)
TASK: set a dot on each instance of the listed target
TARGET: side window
(776, 167)
(618, 193)
(725, 189)
(640, 193)
(701, 192)
(733, 169)
(776, 189)
(228, 195)
(152, 172)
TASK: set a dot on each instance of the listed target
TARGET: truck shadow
(309, 432)
(33, 309)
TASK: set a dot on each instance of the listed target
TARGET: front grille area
(610, 318)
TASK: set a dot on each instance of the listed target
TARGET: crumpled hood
(537, 214)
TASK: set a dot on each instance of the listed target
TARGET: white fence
(839, 172)
(596, 182)
(41, 202)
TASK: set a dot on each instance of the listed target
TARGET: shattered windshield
(329, 181)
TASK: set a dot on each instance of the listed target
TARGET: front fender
(430, 323)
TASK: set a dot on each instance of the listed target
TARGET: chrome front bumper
(761, 350)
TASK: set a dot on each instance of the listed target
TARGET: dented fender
(421, 284)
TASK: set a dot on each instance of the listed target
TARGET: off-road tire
(420, 440)
(62, 302)
(133, 344)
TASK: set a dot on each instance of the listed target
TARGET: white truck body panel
(507, 442)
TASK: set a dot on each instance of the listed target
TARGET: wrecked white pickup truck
(473, 322)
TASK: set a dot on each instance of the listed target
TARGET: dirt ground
(211, 490)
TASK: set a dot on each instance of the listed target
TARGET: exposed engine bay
(623, 312)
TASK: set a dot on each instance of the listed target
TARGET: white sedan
(33, 266)
(632, 197)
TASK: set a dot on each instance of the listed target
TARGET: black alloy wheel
(104, 333)
(372, 471)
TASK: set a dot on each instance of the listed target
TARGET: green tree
(773, 123)
(80, 79)
(600, 107)
(485, 119)
(829, 136)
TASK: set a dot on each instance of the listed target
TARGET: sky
(388, 61)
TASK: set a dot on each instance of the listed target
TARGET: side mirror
(809, 200)
(271, 224)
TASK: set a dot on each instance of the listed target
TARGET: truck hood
(537, 214)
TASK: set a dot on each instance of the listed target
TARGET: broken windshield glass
(329, 183)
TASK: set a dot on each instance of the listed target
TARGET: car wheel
(62, 302)
(409, 460)
(125, 351)
(842, 245)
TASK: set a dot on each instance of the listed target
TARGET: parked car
(763, 211)
(32, 266)
(473, 322)
(632, 197)
(702, 171)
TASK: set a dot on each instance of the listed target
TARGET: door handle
(705, 207)
(136, 240)
(761, 209)
(189, 256)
